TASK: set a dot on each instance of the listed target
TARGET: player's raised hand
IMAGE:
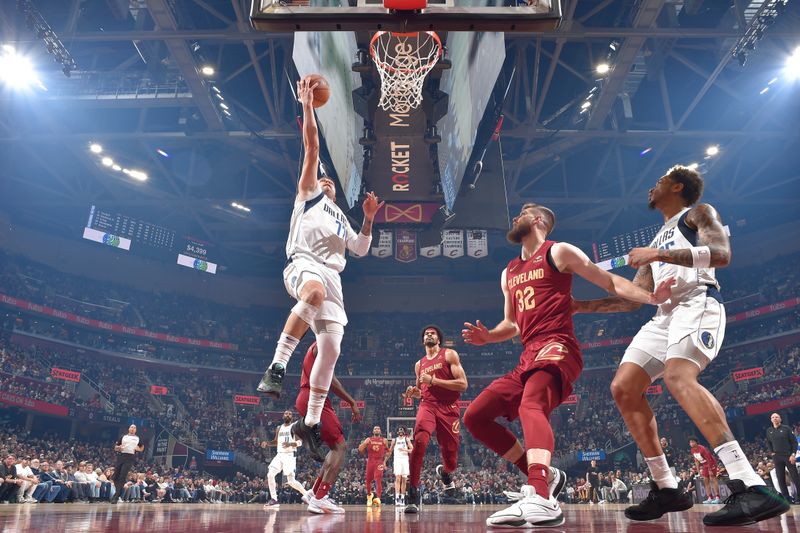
(412, 392)
(639, 257)
(371, 205)
(663, 291)
(476, 334)
(305, 91)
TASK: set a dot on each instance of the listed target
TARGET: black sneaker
(747, 505)
(272, 382)
(447, 481)
(311, 437)
(659, 502)
(413, 500)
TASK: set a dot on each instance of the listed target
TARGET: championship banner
(344, 405)
(66, 375)
(572, 399)
(406, 213)
(384, 247)
(158, 390)
(406, 246)
(773, 405)
(750, 373)
(655, 389)
(243, 399)
(477, 243)
(431, 251)
(453, 243)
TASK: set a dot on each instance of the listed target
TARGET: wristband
(701, 256)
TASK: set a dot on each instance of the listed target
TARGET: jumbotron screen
(620, 245)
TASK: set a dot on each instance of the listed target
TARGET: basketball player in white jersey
(400, 450)
(315, 250)
(284, 460)
(683, 337)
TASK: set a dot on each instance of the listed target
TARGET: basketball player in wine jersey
(440, 382)
(400, 449)
(683, 337)
(318, 236)
(332, 435)
(537, 287)
(377, 449)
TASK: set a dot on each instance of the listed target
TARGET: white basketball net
(403, 61)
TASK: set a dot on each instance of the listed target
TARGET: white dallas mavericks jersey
(675, 234)
(319, 231)
(400, 448)
(285, 437)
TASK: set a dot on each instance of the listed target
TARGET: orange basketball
(323, 90)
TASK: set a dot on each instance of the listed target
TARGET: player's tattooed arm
(615, 304)
(710, 232)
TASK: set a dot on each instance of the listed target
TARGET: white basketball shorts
(692, 330)
(285, 462)
(301, 270)
(400, 466)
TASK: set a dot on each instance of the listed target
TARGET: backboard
(439, 15)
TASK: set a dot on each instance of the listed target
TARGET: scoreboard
(620, 245)
(129, 233)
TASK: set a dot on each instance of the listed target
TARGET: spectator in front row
(29, 481)
(46, 490)
(10, 482)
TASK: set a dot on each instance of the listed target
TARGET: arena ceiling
(673, 89)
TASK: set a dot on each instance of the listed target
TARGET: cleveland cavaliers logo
(456, 426)
(553, 351)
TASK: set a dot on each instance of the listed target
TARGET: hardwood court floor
(179, 518)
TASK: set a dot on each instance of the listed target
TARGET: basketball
(323, 90)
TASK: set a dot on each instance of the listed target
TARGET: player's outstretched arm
(339, 390)
(615, 304)
(458, 384)
(359, 244)
(478, 334)
(569, 258)
(363, 446)
(308, 175)
(713, 247)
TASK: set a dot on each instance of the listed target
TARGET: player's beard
(519, 231)
(430, 343)
(286, 419)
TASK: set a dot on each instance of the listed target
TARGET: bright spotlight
(107, 161)
(138, 175)
(17, 71)
(712, 150)
(161, 152)
(223, 105)
(95, 148)
(603, 68)
(694, 166)
(793, 64)
(207, 70)
(586, 105)
(116, 167)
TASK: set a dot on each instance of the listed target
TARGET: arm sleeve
(357, 243)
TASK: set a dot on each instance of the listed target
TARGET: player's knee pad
(329, 339)
(306, 312)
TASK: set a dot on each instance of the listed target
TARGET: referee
(783, 445)
(126, 449)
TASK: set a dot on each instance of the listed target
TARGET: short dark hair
(691, 181)
(546, 212)
(438, 332)
(693, 438)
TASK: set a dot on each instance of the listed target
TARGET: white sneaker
(556, 480)
(324, 506)
(307, 497)
(530, 511)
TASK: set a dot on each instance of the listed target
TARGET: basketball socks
(284, 349)
(537, 478)
(316, 401)
(736, 463)
(322, 490)
(522, 464)
(660, 472)
(315, 486)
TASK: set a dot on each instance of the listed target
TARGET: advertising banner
(244, 399)
(750, 373)
(66, 375)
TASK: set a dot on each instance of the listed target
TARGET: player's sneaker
(272, 382)
(747, 505)
(376, 502)
(311, 437)
(369, 499)
(556, 480)
(414, 500)
(531, 511)
(307, 497)
(660, 502)
(272, 504)
(447, 481)
(398, 500)
(324, 506)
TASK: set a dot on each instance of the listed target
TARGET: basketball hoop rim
(384, 66)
